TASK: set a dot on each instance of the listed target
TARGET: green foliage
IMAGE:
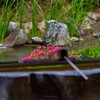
(5, 18)
(9, 10)
(8, 2)
(71, 13)
(34, 22)
(91, 52)
(55, 10)
(21, 12)
(76, 14)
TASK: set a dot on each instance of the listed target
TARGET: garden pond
(15, 53)
(19, 52)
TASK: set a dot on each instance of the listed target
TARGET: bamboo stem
(76, 68)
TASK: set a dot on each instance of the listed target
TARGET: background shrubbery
(69, 12)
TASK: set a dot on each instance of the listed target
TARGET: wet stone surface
(5, 84)
(50, 87)
(15, 89)
(66, 88)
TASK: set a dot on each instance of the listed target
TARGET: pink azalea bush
(43, 52)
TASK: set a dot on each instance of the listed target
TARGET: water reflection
(15, 53)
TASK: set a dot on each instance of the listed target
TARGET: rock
(57, 33)
(91, 23)
(2, 47)
(17, 37)
(95, 14)
(12, 26)
(24, 20)
(90, 27)
(96, 35)
(96, 28)
(86, 24)
(37, 40)
(87, 32)
(75, 39)
(27, 26)
(41, 26)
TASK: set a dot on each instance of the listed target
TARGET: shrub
(91, 52)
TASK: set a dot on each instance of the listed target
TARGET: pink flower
(55, 49)
(35, 58)
(42, 52)
(41, 57)
(36, 51)
(48, 47)
(26, 58)
(43, 46)
(36, 55)
(39, 47)
(48, 52)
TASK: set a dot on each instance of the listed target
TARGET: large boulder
(57, 33)
(17, 37)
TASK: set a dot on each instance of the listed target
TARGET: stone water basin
(46, 85)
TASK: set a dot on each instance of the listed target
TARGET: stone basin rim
(61, 73)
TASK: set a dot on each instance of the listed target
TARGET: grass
(21, 12)
(11, 9)
(77, 12)
(34, 20)
(5, 18)
(55, 10)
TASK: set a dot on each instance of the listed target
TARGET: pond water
(16, 53)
